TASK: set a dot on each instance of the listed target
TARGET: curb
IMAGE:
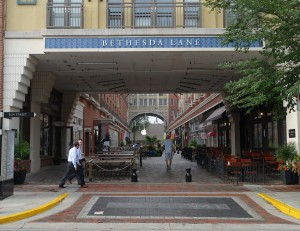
(285, 208)
(32, 212)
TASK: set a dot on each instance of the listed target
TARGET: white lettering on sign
(138, 42)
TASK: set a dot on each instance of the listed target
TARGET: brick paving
(154, 181)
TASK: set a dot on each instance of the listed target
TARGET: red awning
(212, 133)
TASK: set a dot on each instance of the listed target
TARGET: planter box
(19, 177)
(289, 177)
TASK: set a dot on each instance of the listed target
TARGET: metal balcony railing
(64, 15)
(153, 15)
(128, 15)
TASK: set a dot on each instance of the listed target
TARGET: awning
(217, 114)
(212, 133)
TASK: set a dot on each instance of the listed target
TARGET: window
(272, 134)
(172, 101)
(229, 17)
(65, 13)
(192, 13)
(150, 102)
(115, 14)
(26, 2)
(45, 135)
(257, 136)
(153, 13)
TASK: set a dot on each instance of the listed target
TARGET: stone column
(234, 119)
(42, 85)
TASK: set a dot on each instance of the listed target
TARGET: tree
(273, 78)
(150, 140)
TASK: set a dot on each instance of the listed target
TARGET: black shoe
(61, 186)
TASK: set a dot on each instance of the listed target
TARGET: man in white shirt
(80, 167)
(73, 162)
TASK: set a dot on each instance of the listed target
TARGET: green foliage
(139, 124)
(272, 77)
(288, 152)
(22, 150)
(150, 140)
(193, 144)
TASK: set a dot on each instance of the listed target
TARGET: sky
(155, 120)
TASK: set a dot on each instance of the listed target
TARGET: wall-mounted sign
(138, 42)
(292, 133)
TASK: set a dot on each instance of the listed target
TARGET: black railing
(130, 15)
(64, 15)
(153, 15)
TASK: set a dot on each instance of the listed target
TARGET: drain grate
(190, 207)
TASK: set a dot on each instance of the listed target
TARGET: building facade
(59, 53)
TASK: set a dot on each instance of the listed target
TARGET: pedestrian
(168, 148)
(106, 145)
(73, 163)
(80, 167)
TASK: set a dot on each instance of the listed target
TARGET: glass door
(65, 13)
(153, 13)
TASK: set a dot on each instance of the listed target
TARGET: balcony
(64, 15)
(128, 15)
(154, 15)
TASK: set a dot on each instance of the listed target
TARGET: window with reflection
(115, 14)
(153, 13)
(45, 134)
(65, 13)
(191, 13)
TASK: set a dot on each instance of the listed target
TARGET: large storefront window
(273, 134)
(45, 135)
(257, 136)
(224, 135)
(259, 130)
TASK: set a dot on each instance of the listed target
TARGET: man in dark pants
(80, 167)
(73, 162)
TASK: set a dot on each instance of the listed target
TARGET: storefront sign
(292, 133)
(138, 42)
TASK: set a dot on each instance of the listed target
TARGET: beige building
(55, 50)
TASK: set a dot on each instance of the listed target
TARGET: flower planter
(289, 177)
(19, 177)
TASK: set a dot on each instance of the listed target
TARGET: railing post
(141, 157)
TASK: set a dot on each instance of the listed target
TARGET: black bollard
(134, 177)
(188, 175)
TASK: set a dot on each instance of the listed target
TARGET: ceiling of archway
(178, 71)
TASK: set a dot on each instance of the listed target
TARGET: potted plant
(21, 161)
(288, 157)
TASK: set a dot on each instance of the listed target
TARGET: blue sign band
(139, 42)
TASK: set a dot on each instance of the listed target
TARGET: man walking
(168, 147)
(73, 163)
(80, 167)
